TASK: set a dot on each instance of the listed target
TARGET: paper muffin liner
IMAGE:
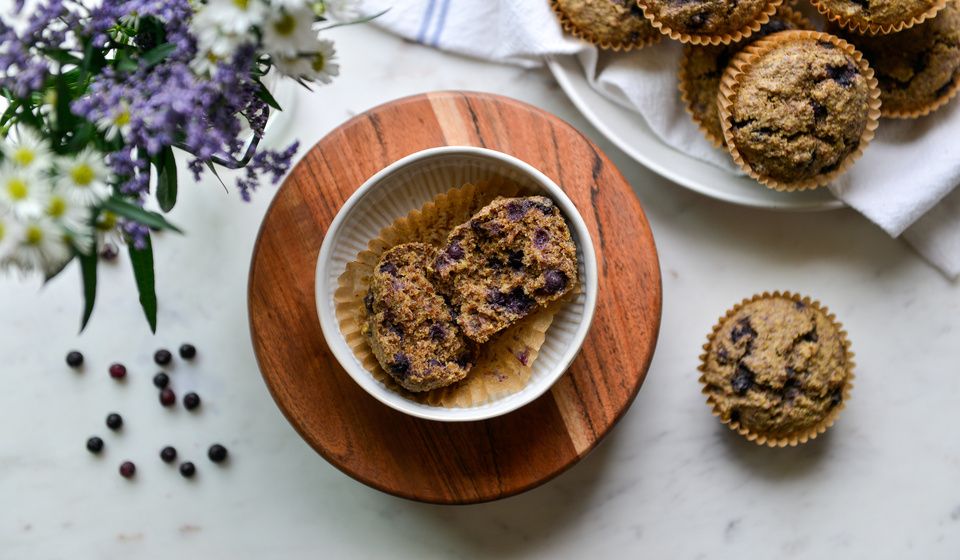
(741, 65)
(724, 39)
(584, 35)
(799, 437)
(785, 11)
(870, 28)
(503, 365)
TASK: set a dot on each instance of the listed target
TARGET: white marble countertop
(668, 482)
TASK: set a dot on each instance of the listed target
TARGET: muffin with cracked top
(777, 369)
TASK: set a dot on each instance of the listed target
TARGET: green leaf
(166, 179)
(65, 118)
(213, 169)
(142, 261)
(50, 275)
(88, 273)
(150, 219)
(353, 22)
(158, 53)
(63, 56)
(264, 94)
(80, 138)
(124, 62)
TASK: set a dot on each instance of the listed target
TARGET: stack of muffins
(793, 106)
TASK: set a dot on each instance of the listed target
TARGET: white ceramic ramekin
(408, 184)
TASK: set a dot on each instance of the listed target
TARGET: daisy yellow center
(2, 231)
(58, 207)
(107, 221)
(50, 97)
(213, 58)
(319, 62)
(122, 118)
(82, 175)
(242, 4)
(285, 25)
(17, 189)
(24, 156)
(33, 235)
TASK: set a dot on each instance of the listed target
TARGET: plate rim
(562, 76)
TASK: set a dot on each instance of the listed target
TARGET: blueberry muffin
(609, 24)
(799, 111)
(512, 257)
(777, 367)
(409, 325)
(918, 69)
(708, 21)
(877, 16)
(702, 66)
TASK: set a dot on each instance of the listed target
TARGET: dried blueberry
(433, 362)
(168, 397)
(540, 238)
(517, 209)
(515, 260)
(494, 263)
(74, 359)
(128, 469)
(819, 111)
(547, 207)
(168, 454)
(187, 469)
(836, 397)
(735, 415)
(516, 301)
(464, 360)
(400, 365)
(554, 281)
(161, 380)
(437, 332)
(368, 302)
(389, 268)
(723, 357)
(188, 351)
(162, 357)
(810, 336)
(191, 401)
(217, 453)
(843, 75)
(742, 380)
(742, 329)
(697, 20)
(94, 445)
(454, 251)
(114, 421)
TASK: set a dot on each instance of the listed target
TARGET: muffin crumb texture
(706, 17)
(409, 324)
(801, 109)
(512, 257)
(777, 366)
(614, 23)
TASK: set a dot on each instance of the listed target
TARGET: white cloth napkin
(904, 183)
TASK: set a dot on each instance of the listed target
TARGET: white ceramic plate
(408, 184)
(630, 133)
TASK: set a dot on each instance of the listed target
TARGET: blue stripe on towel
(425, 23)
(441, 23)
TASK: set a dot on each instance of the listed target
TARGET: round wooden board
(452, 463)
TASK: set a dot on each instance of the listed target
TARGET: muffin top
(866, 13)
(613, 23)
(703, 67)
(919, 66)
(707, 17)
(801, 109)
(411, 329)
(777, 366)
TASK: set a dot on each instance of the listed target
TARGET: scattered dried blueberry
(515, 260)
(74, 359)
(187, 470)
(437, 332)
(162, 357)
(191, 401)
(810, 336)
(836, 398)
(540, 238)
(742, 329)
(400, 365)
(168, 454)
(843, 75)
(516, 301)
(455, 251)
(368, 302)
(128, 469)
(109, 252)
(161, 380)
(389, 268)
(742, 380)
(517, 210)
(188, 351)
(554, 281)
(217, 453)
(114, 421)
(94, 445)
(118, 371)
(168, 397)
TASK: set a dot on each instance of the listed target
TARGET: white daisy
(39, 245)
(28, 150)
(117, 123)
(318, 66)
(9, 231)
(288, 33)
(292, 4)
(106, 229)
(131, 20)
(231, 16)
(73, 217)
(22, 191)
(85, 177)
(205, 63)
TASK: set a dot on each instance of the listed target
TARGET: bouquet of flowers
(100, 92)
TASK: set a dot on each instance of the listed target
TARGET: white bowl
(407, 185)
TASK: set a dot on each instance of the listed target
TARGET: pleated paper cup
(711, 39)
(870, 28)
(421, 198)
(778, 439)
(740, 67)
(585, 34)
(710, 129)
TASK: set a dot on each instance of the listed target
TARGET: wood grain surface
(452, 463)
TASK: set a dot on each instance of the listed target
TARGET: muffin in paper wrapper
(503, 365)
